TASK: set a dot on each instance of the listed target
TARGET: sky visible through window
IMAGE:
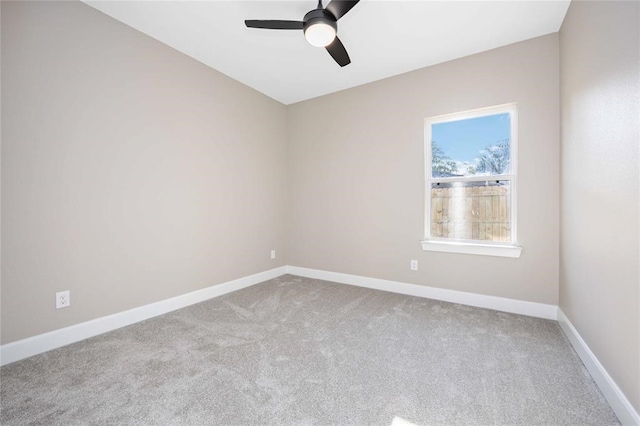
(463, 140)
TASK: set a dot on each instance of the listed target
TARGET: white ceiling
(383, 38)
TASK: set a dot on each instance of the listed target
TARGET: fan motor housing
(319, 16)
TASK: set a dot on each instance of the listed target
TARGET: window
(471, 167)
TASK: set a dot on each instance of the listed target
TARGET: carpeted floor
(301, 351)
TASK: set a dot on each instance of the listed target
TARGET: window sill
(471, 248)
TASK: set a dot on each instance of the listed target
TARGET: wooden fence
(471, 212)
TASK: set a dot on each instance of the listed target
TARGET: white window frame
(478, 247)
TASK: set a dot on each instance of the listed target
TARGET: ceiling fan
(320, 27)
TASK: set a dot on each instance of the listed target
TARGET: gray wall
(356, 161)
(600, 242)
(130, 172)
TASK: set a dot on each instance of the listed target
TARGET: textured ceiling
(383, 38)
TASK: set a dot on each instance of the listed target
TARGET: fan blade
(339, 8)
(274, 25)
(338, 52)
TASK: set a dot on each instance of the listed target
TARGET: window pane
(472, 146)
(471, 211)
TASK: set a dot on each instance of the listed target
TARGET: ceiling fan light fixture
(319, 25)
(320, 34)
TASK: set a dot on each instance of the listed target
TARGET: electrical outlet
(63, 299)
(414, 265)
(273, 254)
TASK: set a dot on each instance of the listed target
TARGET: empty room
(320, 213)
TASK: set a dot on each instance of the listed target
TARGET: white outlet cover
(273, 254)
(414, 265)
(63, 299)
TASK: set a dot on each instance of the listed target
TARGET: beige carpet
(297, 351)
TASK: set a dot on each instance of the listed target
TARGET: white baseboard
(503, 304)
(25, 348)
(618, 401)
